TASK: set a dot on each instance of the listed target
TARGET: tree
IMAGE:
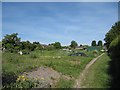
(112, 39)
(93, 43)
(73, 44)
(11, 42)
(57, 45)
(37, 45)
(27, 45)
(114, 47)
(114, 52)
(100, 43)
(113, 32)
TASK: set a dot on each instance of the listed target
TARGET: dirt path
(81, 77)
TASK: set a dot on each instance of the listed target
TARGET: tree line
(112, 39)
(13, 43)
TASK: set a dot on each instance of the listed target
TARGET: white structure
(66, 50)
(20, 52)
(102, 50)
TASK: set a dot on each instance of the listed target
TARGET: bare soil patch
(47, 76)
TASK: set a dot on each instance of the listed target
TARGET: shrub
(112, 33)
(7, 78)
(114, 51)
(11, 42)
(23, 82)
(95, 52)
(114, 47)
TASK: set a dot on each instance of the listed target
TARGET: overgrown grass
(57, 59)
(65, 83)
(97, 76)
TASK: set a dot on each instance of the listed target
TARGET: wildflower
(26, 79)
(18, 79)
(22, 76)
(23, 79)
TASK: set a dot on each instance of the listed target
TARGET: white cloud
(63, 26)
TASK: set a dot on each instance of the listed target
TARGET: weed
(15, 63)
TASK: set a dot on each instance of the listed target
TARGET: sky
(60, 0)
(48, 22)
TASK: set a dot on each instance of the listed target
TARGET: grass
(57, 59)
(97, 76)
(65, 83)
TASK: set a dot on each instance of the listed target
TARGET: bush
(112, 34)
(23, 82)
(50, 48)
(114, 52)
(114, 47)
(95, 52)
(7, 78)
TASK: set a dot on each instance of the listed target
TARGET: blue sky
(51, 21)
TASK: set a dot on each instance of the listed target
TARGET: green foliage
(57, 45)
(53, 46)
(100, 43)
(91, 48)
(57, 59)
(50, 47)
(37, 46)
(114, 52)
(112, 39)
(0, 45)
(11, 42)
(114, 47)
(113, 32)
(27, 45)
(95, 52)
(93, 43)
(73, 44)
(23, 82)
(25, 51)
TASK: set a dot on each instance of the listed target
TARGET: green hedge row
(114, 50)
(114, 47)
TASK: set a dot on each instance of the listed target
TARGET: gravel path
(81, 77)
